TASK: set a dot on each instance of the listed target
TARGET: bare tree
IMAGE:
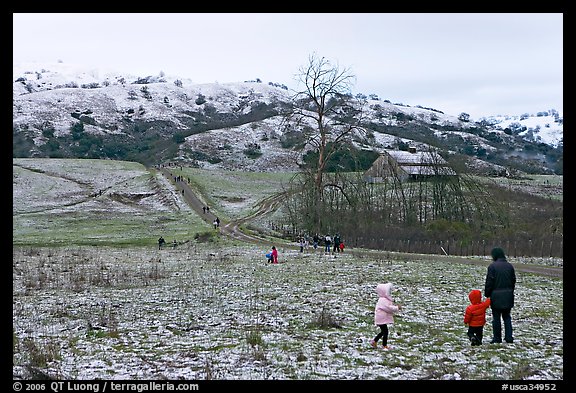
(327, 115)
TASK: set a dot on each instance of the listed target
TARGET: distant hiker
(301, 244)
(475, 316)
(274, 255)
(315, 241)
(341, 246)
(207, 209)
(327, 243)
(217, 221)
(336, 243)
(161, 242)
(215, 224)
(204, 209)
(384, 314)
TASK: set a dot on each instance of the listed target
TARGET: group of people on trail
(499, 286)
(331, 244)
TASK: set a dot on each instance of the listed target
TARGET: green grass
(548, 186)
(90, 228)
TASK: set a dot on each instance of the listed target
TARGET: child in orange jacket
(475, 316)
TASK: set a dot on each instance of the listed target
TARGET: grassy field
(93, 297)
(547, 186)
(96, 202)
(219, 311)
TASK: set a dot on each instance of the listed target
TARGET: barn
(407, 165)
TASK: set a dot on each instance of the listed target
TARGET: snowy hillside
(543, 127)
(111, 98)
(230, 125)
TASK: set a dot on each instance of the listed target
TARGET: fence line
(515, 248)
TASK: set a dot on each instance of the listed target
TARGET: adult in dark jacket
(499, 287)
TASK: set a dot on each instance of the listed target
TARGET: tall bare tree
(327, 115)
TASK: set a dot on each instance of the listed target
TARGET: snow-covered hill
(542, 127)
(220, 122)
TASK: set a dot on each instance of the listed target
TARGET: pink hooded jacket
(385, 307)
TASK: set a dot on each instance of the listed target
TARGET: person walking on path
(499, 287)
(161, 242)
(336, 243)
(327, 243)
(475, 316)
(384, 314)
(315, 241)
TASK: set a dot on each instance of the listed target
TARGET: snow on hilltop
(58, 94)
(61, 89)
(545, 127)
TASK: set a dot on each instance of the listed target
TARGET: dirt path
(270, 204)
(231, 229)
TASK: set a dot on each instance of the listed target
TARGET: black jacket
(500, 284)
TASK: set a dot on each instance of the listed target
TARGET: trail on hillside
(232, 229)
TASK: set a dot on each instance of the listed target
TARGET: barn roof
(410, 163)
(416, 158)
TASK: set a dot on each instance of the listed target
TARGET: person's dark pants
(475, 334)
(504, 315)
(382, 335)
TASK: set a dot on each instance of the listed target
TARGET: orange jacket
(475, 314)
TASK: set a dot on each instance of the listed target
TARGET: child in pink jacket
(384, 314)
(274, 255)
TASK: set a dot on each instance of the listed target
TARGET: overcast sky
(479, 63)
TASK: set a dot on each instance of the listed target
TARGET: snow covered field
(201, 312)
(84, 309)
